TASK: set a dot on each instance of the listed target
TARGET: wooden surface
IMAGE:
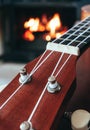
(81, 96)
(21, 105)
(51, 107)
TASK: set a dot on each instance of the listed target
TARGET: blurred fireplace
(20, 49)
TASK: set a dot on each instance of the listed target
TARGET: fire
(52, 27)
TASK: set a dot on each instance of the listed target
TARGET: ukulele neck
(79, 35)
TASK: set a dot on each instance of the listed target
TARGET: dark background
(81, 96)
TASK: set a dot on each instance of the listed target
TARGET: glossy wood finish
(81, 96)
(51, 107)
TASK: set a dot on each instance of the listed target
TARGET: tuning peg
(53, 85)
(24, 76)
(80, 120)
(26, 126)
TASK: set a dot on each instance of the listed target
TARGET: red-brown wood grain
(49, 111)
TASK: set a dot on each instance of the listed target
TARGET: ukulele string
(63, 52)
(69, 44)
(76, 46)
(43, 92)
(71, 29)
(35, 68)
(39, 65)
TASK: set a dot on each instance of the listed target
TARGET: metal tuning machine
(53, 85)
(80, 120)
(26, 126)
(24, 76)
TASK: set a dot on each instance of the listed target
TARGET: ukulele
(37, 97)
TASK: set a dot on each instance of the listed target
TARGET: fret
(81, 24)
(65, 36)
(84, 28)
(58, 40)
(82, 35)
(67, 41)
(72, 37)
(84, 43)
(75, 28)
(81, 38)
(76, 34)
(88, 30)
(71, 31)
(86, 34)
(88, 19)
(87, 40)
(79, 32)
(73, 44)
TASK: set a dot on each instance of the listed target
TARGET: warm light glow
(28, 36)
(58, 35)
(52, 27)
(48, 38)
(54, 24)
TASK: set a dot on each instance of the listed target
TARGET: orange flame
(52, 27)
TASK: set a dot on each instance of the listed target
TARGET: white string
(30, 117)
(39, 100)
(11, 96)
(63, 65)
(41, 63)
(33, 71)
(78, 36)
(38, 62)
(36, 68)
(83, 41)
(71, 29)
(57, 63)
(74, 33)
(24, 82)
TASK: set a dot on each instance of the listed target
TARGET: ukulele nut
(24, 76)
(26, 126)
(53, 85)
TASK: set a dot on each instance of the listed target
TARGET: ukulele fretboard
(79, 35)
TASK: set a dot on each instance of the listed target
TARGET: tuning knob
(53, 85)
(26, 126)
(80, 120)
(24, 76)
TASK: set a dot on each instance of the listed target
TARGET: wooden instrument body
(49, 111)
(51, 106)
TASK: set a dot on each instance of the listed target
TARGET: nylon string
(39, 100)
(33, 71)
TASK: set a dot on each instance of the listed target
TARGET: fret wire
(83, 24)
(83, 41)
(71, 39)
(71, 28)
(73, 44)
(75, 31)
(22, 84)
(82, 31)
(61, 39)
(31, 115)
(77, 37)
(72, 34)
(82, 35)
